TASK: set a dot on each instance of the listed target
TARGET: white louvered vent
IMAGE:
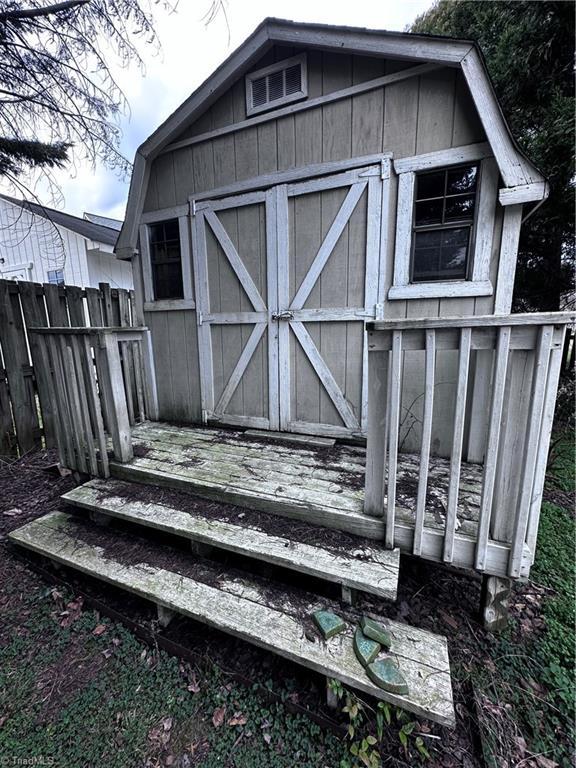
(276, 85)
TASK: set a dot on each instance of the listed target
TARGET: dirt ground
(443, 601)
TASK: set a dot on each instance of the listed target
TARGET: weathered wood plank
(241, 609)
(375, 571)
(458, 436)
(430, 365)
(15, 356)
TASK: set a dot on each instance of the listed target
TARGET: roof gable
(516, 170)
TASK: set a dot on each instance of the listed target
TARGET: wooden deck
(275, 619)
(323, 486)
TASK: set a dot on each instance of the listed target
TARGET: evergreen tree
(58, 98)
(529, 52)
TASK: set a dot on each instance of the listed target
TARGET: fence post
(112, 383)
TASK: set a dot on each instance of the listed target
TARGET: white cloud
(190, 52)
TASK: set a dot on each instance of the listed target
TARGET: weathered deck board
(241, 609)
(374, 571)
(316, 485)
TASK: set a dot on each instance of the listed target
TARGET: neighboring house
(49, 246)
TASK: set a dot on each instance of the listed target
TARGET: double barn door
(285, 280)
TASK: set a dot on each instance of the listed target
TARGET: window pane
(440, 254)
(428, 212)
(458, 208)
(461, 180)
(165, 257)
(171, 230)
(430, 184)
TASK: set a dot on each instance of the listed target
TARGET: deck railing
(101, 381)
(503, 391)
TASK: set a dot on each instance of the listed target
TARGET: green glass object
(376, 632)
(328, 623)
(365, 649)
(385, 674)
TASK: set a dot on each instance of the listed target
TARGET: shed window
(276, 85)
(166, 260)
(443, 222)
(56, 276)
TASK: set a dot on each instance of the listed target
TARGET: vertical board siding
(422, 114)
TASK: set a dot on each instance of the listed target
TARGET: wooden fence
(27, 407)
(523, 357)
(101, 381)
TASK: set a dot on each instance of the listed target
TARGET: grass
(535, 664)
(137, 709)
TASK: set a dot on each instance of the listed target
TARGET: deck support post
(201, 549)
(100, 518)
(348, 595)
(165, 615)
(495, 602)
(331, 696)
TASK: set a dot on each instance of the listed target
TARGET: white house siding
(31, 246)
(104, 267)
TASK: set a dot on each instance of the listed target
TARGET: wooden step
(297, 503)
(275, 620)
(367, 567)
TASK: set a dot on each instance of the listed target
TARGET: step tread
(241, 608)
(375, 570)
(302, 505)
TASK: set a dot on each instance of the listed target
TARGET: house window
(56, 276)
(274, 86)
(443, 221)
(166, 260)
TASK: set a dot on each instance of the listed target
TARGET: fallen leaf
(167, 723)
(267, 738)
(170, 760)
(99, 630)
(449, 620)
(545, 762)
(238, 719)
(194, 685)
(14, 512)
(3, 720)
(107, 653)
(218, 717)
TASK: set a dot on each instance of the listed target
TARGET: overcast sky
(190, 52)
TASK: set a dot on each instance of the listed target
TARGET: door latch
(284, 315)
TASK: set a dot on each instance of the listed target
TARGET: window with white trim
(443, 223)
(166, 260)
(445, 216)
(56, 276)
(277, 85)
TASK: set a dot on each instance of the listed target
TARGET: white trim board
(514, 167)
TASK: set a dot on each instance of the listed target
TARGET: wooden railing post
(377, 432)
(112, 383)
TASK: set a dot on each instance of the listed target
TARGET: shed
(324, 238)
(322, 177)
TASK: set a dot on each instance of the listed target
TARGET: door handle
(286, 314)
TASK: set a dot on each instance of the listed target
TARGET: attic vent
(276, 85)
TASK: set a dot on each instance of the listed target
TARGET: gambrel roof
(523, 182)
